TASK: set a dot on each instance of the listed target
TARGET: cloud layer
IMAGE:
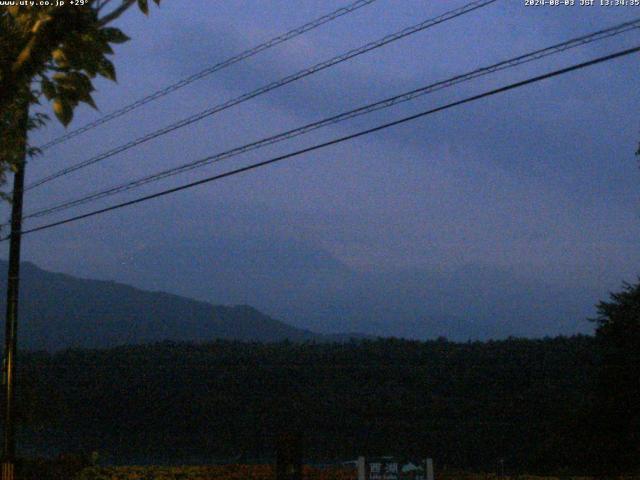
(509, 216)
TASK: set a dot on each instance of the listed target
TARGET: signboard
(388, 468)
(382, 469)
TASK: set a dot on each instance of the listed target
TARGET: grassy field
(218, 472)
(260, 472)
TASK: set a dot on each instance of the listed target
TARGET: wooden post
(13, 282)
(429, 468)
(289, 456)
(361, 468)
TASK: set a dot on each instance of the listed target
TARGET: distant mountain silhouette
(253, 258)
(310, 288)
(59, 311)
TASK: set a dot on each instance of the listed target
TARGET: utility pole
(13, 282)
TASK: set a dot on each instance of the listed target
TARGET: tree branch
(102, 4)
(116, 12)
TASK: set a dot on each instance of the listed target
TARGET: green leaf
(63, 110)
(80, 81)
(106, 69)
(73, 84)
(48, 88)
(144, 6)
(106, 48)
(33, 152)
(59, 77)
(114, 35)
(88, 99)
(60, 57)
(91, 69)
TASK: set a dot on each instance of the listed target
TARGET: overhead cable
(335, 141)
(267, 88)
(382, 104)
(209, 70)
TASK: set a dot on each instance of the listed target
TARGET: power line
(386, 103)
(271, 86)
(319, 146)
(209, 70)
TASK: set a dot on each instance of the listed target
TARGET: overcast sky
(513, 215)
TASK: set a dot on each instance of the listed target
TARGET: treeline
(465, 404)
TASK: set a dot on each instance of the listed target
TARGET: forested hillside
(466, 405)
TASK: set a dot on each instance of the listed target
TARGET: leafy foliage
(52, 52)
(618, 395)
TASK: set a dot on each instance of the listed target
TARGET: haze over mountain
(58, 311)
(291, 280)
(307, 287)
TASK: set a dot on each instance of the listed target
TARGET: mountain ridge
(59, 311)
